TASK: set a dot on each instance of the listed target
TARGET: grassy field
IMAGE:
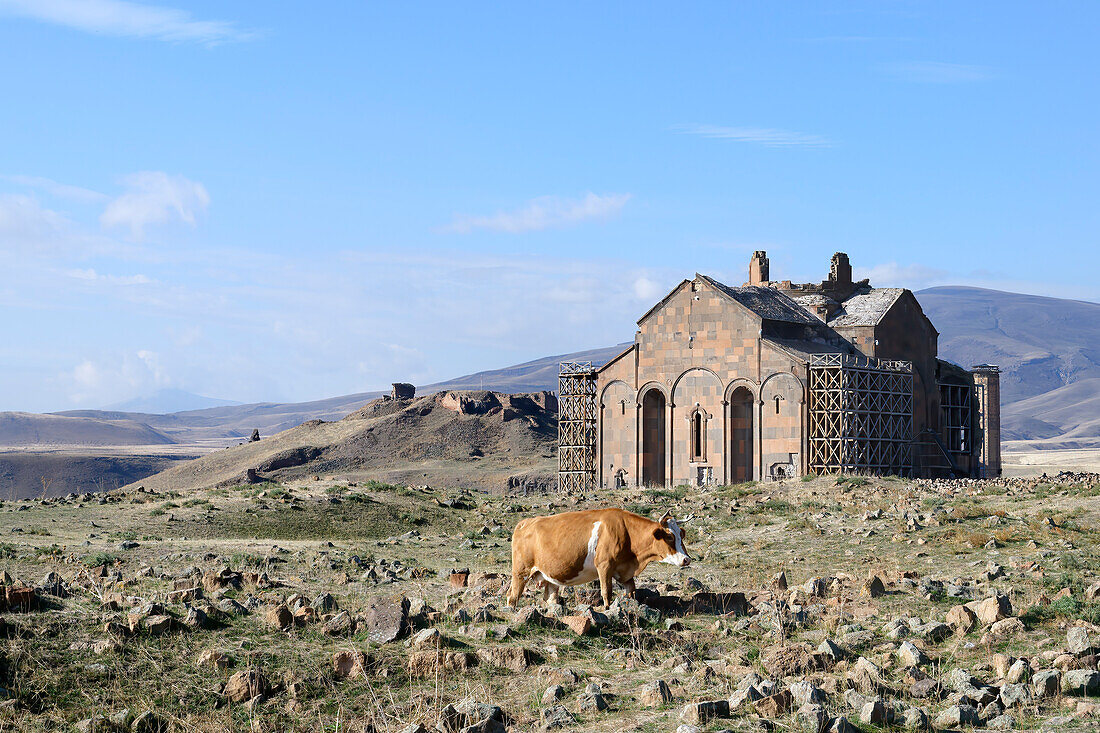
(131, 559)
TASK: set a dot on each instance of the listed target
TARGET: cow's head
(670, 542)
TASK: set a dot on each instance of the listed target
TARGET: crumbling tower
(840, 269)
(987, 391)
(758, 268)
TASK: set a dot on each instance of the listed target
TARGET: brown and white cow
(578, 547)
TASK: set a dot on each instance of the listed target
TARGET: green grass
(1064, 608)
(320, 521)
(100, 558)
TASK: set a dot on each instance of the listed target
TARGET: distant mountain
(1070, 413)
(167, 400)
(1040, 343)
(24, 429)
(1043, 346)
(238, 421)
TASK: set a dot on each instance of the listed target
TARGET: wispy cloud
(57, 190)
(92, 276)
(155, 197)
(545, 212)
(938, 72)
(768, 136)
(122, 18)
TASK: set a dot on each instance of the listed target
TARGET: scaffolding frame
(861, 415)
(956, 417)
(576, 426)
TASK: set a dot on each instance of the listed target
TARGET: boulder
(245, 685)
(1046, 683)
(914, 719)
(698, 713)
(873, 713)
(873, 587)
(961, 619)
(580, 625)
(279, 617)
(429, 663)
(1007, 627)
(350, 663)
(555, 716)
(957, 716)
(909, 655)
(1081, 682)
(1079, 642)
(552, 694)
(514, 658)
(655, 693)
(992, 609)
(386, 619)
(774, 705)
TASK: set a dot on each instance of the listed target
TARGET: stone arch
(654, 410)
(618, 432)
(742, 410)
(697, 391)
(741, 383)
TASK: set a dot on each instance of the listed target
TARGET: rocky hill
(469, 438)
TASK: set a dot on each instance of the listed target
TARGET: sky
(285, 201)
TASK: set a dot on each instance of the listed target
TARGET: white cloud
(122, 18)
(545, 212)
(93, 276)
(646, 289)
(58, 190)
(938, 72)
(114, 378)
(23, 219)
(155, 197)
(766, 136)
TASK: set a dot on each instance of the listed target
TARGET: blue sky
(272, 201)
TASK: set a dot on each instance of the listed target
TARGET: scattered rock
(655, 693)
(245, 685)
(386, 619)
(705, 711)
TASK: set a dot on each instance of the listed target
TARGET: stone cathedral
(776, 379)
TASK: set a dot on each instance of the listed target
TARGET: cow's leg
(606, 587)
(630, 586)
(519, 581)
(553, 597)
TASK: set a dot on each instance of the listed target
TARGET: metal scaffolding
(861, 415)
(576, 426)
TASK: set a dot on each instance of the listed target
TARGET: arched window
(698, 437)
(777, 399)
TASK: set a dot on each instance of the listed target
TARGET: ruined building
(775, 380)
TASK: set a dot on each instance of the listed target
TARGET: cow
(578, 547)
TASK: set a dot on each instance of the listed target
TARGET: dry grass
(294, 533)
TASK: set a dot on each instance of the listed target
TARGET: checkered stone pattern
(697, 390)
(781, 423)
(692, 347)
(698, 329)
(618, 435)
